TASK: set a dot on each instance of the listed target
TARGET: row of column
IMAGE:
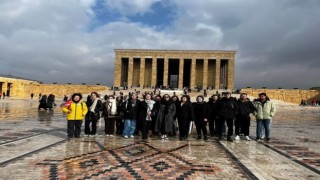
(229, 72)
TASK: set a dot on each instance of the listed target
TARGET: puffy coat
(78, 110)
(264, 112)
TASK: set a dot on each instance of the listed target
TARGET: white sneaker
(237, 137)
(132, 136)
(248, 139)
(107, 135)
(162, 136)
(110, 135)
(125, 137)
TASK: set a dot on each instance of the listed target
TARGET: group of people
(169, 116)
(47, 102)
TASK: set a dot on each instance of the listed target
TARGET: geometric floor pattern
(135, 161)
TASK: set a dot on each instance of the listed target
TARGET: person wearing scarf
(146, 115)
(92, 117)
(110, 114)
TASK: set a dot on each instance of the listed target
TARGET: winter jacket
(264, 112)
(129, 111)
(78, 110)
(245, 107)
(185, 112)
(200, 110)
(227, 108)
(166, 113)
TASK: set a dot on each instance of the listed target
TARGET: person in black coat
(43, 103)
(94, 105)
(165, 119)
(227, 110)
(201, 119)
(155, 110)
(146, 115)
(120, 121)
(212, 112)
(243, 117)
(185, 116)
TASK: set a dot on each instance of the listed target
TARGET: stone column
(217, 79)
(154, 72)
(181, 65)
(230, 78)
(166, 71)
(4, 88)
(193, 73)
(142, 70)
(130, 72)
(205, 73)
(117, 71)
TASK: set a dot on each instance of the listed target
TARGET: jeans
(129, 127)
(266, 124)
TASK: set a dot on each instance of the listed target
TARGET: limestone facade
(174, 68)
(20, 88)
(286, 95)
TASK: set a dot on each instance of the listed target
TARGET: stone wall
(287, 95)
(20, 88)
(59, 90)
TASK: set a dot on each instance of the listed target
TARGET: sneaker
(162, 136)
(229, 139)
(107, 135)
(125, 137)
(165, 136)
(248, 139)
(268, 140)
(237, 137)
(132, 136)
(258, 139)
(110, 135)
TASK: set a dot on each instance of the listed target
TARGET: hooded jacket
(266, 111)
(78, 110)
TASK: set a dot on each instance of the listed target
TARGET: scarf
(150, 104)
(94, 104)
(112, 106)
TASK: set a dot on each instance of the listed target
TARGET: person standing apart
(92, 117)
(265, 110)
(76, 111)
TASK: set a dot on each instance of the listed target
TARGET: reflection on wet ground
(33, 145)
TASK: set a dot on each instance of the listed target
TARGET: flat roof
(164, 50)
(17, 77)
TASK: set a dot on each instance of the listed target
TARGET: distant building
(174, 68)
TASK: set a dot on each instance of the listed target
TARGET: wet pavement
(34, 145)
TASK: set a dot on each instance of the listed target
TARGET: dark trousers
(221, 123)
(74, 128)
(119, 126)
(242, 124)
(201, 125)
(183, 128)
(109, 125)
(145, 128)
(87, 126)
(213, 123)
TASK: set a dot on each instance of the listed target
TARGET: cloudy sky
(277, 41)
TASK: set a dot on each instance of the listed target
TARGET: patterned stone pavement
(33, 145)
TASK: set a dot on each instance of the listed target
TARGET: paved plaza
(34, 145)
